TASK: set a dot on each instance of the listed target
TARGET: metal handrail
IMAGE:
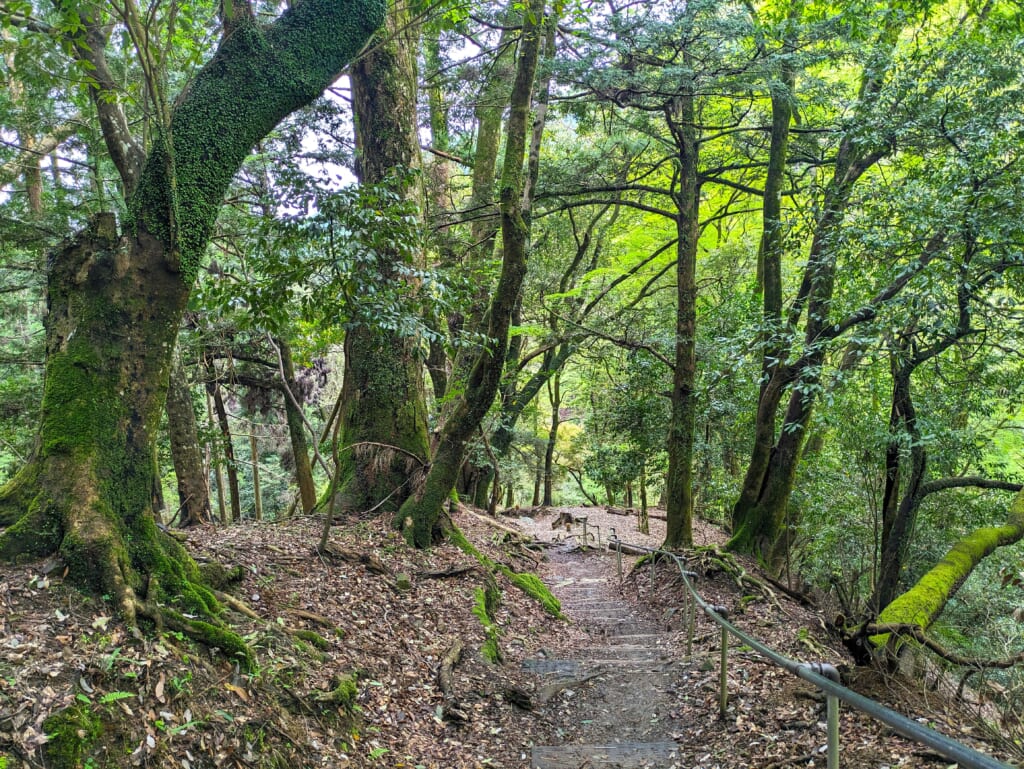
(825, 677)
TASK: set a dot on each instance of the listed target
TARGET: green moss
(923, 603)
(214, 636)
(481, 608)
(529, 583)
(31, 536)
(218, 577)
(314, 639)
(344, 693)
(535, 588)
(72, 732)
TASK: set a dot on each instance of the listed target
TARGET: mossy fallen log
(923, 603)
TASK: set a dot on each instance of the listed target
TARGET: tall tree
(419, 515)
(116, 297)
(384, 413)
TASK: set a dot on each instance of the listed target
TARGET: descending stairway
(629, 662)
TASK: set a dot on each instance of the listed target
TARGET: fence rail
(824, 676)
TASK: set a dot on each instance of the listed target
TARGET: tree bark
(679, 480)
(760, 512)
(296, 429)
(555, 391)
(420, 513)
(227, 442)
(384, 402)
(115, 303)
(193, 484)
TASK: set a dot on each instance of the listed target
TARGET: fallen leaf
(242, 693)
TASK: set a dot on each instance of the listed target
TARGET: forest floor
(608, 686)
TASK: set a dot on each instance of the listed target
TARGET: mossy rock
(218, 576)
(72, 734)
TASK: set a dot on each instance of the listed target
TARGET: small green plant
(180, 684)
(109, 697)
(378, 752)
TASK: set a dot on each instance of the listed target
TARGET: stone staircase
(629, 664)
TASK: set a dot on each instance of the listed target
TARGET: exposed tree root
(714, 557)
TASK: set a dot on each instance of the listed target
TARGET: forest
(754, 263)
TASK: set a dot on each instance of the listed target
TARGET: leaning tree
(116, 293)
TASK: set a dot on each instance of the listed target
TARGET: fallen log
(629, 512)
(614, 544)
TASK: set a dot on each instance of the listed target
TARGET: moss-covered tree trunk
(187, 456)
(923, 603)
(384, 413)
(759, 515)
(679, 480)
(419, 515)
(116, 299)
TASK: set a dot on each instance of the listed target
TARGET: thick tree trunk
(88, 492)
(187, 456)
(420, 513)
(116, 300)
(384, 413)
(679, 480)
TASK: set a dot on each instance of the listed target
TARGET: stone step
(596, 612)
(627, 652)
(584, 582)
(614, 627)
(558, 668)
(623, 755)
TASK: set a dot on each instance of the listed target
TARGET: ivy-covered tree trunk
(679, 481)
(193, 484)
(384, 414)
(116, 299)
(419, 515)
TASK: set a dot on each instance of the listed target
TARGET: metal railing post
(832, 705)
(653, 564)
(618, 557)
(723, 667)
(585, 540)
(692, 623)
(830, 672)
